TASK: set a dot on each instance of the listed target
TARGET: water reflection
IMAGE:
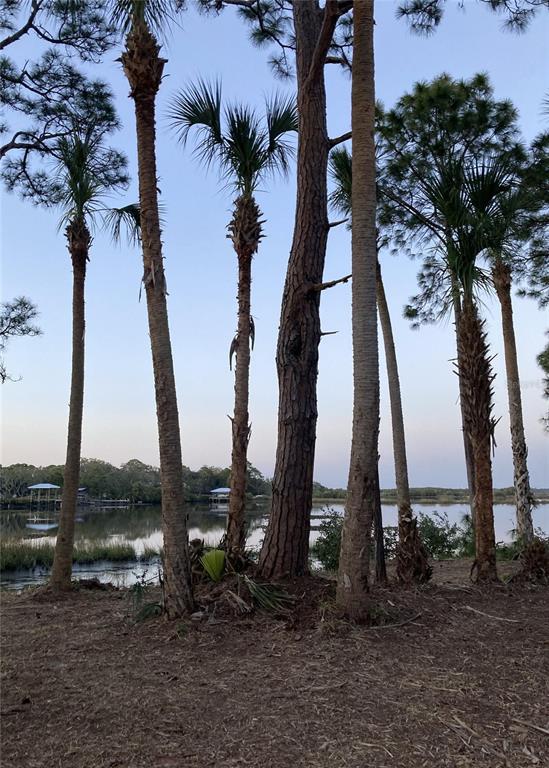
(141, 526)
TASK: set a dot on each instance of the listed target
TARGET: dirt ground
(463, 681)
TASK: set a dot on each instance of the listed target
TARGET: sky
(119, 409)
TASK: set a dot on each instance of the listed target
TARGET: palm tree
(519, 227)
(363, 485)
(143, 68)
(84, 173)
(412, 564)
(247, 152)
(465, 193)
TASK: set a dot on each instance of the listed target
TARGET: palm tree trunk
(379, 541)
(524, 500)
(245, 232)
(79, 241)
(286, 546)
(467, 448)
(476, 378)
(363, 486)
(144, 68)
(412, 562)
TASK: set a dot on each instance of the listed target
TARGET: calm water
(141, 526)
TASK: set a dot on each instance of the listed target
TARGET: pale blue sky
(119, 420)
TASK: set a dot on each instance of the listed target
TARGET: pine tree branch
(27, 26)
(325, 38)
(330, 284)
(340, 139)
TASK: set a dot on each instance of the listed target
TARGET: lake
(141, 526)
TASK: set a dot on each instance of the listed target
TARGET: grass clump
(20, 555)
(84, 554)
(17, 555)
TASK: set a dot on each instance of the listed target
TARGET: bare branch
(330, 284)
(337, 223)
(340, 139)
(325, 38)
(27, 26)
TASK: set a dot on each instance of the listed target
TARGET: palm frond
(156, 14)
(245, 149)
(341, 173)
(199, 106)
(86, 171)
(282, 119)
(127, 219)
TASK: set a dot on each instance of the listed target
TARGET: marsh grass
(18, 555)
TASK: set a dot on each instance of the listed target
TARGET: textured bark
(476, 376)
(79, 241)
(245, 233)
(286, 546)
(411, 558)
(143, 68)
(524, 499)
(379, 542)
(363, 487)
(467, 448)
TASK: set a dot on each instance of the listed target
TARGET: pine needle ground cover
(461, 682)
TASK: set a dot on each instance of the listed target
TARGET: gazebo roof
(43, 487)
(221, 490)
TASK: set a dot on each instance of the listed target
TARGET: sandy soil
(463, 681)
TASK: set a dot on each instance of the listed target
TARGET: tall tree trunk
(286, 546)
(412, 562)
(79, 241)
(143, 68)
(476, 378)
(467, 447)
(379, 541)
(245, 232)
(501, 275)
(363, 486)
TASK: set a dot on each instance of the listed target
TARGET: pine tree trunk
(144, 68)
(523, 495)
(245, 232)
(286, 546)
(412, 562)
(79, 241)
(362, 489)
(476, 378)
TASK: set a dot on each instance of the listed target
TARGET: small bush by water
(18, 555)
(442, 539)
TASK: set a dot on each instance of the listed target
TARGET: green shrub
(441, 538)
(390, 541)
(326, 547)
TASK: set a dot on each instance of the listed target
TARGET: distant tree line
(133, 480)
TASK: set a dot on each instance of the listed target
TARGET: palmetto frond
(341, 173)
(199, 106)
(86, 172)
(245, 148)
(282, 119)
(156, 14)
(127, 219)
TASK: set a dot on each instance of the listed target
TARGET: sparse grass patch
(18, 555)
